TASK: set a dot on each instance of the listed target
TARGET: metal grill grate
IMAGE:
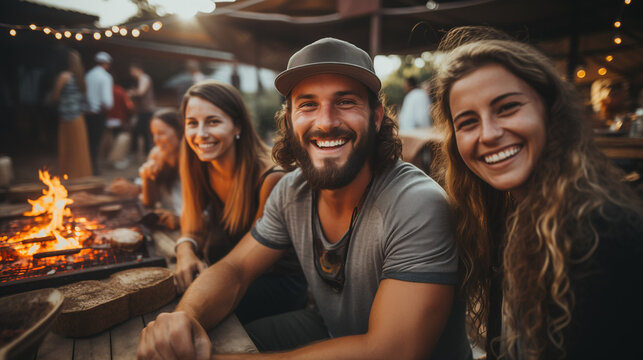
(93, 261)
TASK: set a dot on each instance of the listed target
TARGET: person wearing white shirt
(415, 112)
(100, 98)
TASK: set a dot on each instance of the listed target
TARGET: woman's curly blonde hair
(536, 239)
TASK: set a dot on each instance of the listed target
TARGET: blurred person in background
(195, 71)
(100, 99)
(69, 95)
(160, 187)
(118, 125)
(415, 111)
(143, 96)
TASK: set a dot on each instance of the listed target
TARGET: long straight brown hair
(75, 65)
(251, 157)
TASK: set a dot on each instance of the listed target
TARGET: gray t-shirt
(403, 232)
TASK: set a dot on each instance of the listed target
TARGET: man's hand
(174, 336)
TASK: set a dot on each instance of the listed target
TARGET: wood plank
(56, 347)
(620, 147)
(125, 338)
(93, 348)
(164, 241)
(13, 210)
(230, 337)
(147, 318)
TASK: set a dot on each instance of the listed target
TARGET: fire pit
(56, 243)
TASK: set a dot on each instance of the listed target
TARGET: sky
(114, 12)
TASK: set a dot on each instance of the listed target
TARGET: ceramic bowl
(25, 319)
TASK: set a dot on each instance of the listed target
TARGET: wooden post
(573, 58)
(375, 33)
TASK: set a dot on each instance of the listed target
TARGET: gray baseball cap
(328, 56)
(103, 57)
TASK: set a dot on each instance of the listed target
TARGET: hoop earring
(237, 136)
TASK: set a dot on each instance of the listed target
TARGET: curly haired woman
(550, 239)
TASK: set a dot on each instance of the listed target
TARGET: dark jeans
(287, 331)
(142, 128)
(95, 128)
(272, 294)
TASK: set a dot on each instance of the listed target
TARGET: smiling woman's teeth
(330, 143)
(206, 146)
(502, 155)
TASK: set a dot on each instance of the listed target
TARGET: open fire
(49, 230)
(50, 239)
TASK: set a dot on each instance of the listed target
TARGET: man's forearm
(213, 295)
(348, 347)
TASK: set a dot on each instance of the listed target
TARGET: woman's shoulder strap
(263, 176)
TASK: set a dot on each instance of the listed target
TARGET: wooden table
(620, 147)
(121, 341)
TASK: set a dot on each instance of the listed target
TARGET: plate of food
(127, 239)
(25, 319)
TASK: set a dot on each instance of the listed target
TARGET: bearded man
(372, 233)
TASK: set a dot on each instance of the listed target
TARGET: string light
(627, 2)
(79, 33)
(580, 73)
(609, 58)
(602, 71)
(431, 5)
(617, 40)
(617, 24)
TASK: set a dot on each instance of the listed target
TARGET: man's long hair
(548, 229)
(388, 146)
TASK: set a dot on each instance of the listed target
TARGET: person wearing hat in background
(372, 233)
(416, 107)
(100, 99)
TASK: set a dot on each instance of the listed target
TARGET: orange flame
(53, 201)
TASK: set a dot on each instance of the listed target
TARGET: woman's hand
(150, 169)
(123, 187)
(188, 266)
(167, 218)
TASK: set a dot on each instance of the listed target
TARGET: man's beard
(330, 176)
